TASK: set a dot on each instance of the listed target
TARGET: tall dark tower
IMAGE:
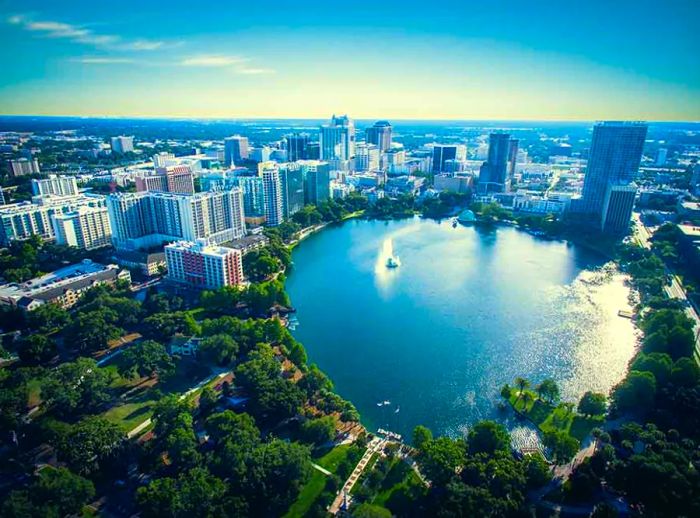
(494, 171)
(616, 152)
(379, 135)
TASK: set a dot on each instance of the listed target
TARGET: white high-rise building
(337, 139)
(56, 185)
(23, 166)
(146, 219)
(22, 220)
(366, 157)
(122, 144)
(164, 159)
(86, 228)
(272, 193)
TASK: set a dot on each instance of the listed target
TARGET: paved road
(675, 289)
(145, 424)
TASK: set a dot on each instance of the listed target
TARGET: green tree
(79, 386)
(48, 317)
(36, 349)
(220, 349)
(56, 492)
(521, 384)
(421, 436)
(62, 490)
(592, 403)
(260, 264)
(91, 444)
(147, 358)
(562, 445)
(171, 412)
(685, 373)
(636, 392)
(548, 390)
(488, 437)
(659, 364)
(441, 457)
(318, 431)
(195, 493)
(163, 326)
(208, 401)
(92, 331)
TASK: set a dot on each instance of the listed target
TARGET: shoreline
(584, 243)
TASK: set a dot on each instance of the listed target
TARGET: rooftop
(74, 276)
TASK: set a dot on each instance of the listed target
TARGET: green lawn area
(314, 487)
(550, 419)
(138, 406)
(132, 413)
(34, 392)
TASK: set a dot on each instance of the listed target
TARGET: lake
(468, 310)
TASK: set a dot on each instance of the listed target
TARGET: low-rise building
(148, 263)
(690, 243)
(688, 210)
(63, 287)
(248, 243)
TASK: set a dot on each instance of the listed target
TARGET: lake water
(468, 310)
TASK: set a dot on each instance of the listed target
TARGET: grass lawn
(34, 392)
(551, 419)
(132, 413)
(133, 410)
(314, 487)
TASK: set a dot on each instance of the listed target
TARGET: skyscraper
(292, 179)
(317, 183)
(235, 150)
(494, 171)
(616, 152)
(337, 139)
(297, 146)
(442, 153)
(379, 135)
(512, 157)
(253, 197)
(145, 219)
(272, 192)
(177, 179)
(366, 157)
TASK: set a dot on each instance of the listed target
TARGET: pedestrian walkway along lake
(467, 310)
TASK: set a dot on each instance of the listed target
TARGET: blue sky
(441, 60)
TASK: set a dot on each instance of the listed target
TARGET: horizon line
(264, 118)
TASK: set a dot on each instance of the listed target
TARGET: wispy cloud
(78, 34)
(103, 61)
(212, 60)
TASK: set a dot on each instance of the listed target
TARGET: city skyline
(396, 61)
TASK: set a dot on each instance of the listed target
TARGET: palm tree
(522, 384)
(527, 399)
